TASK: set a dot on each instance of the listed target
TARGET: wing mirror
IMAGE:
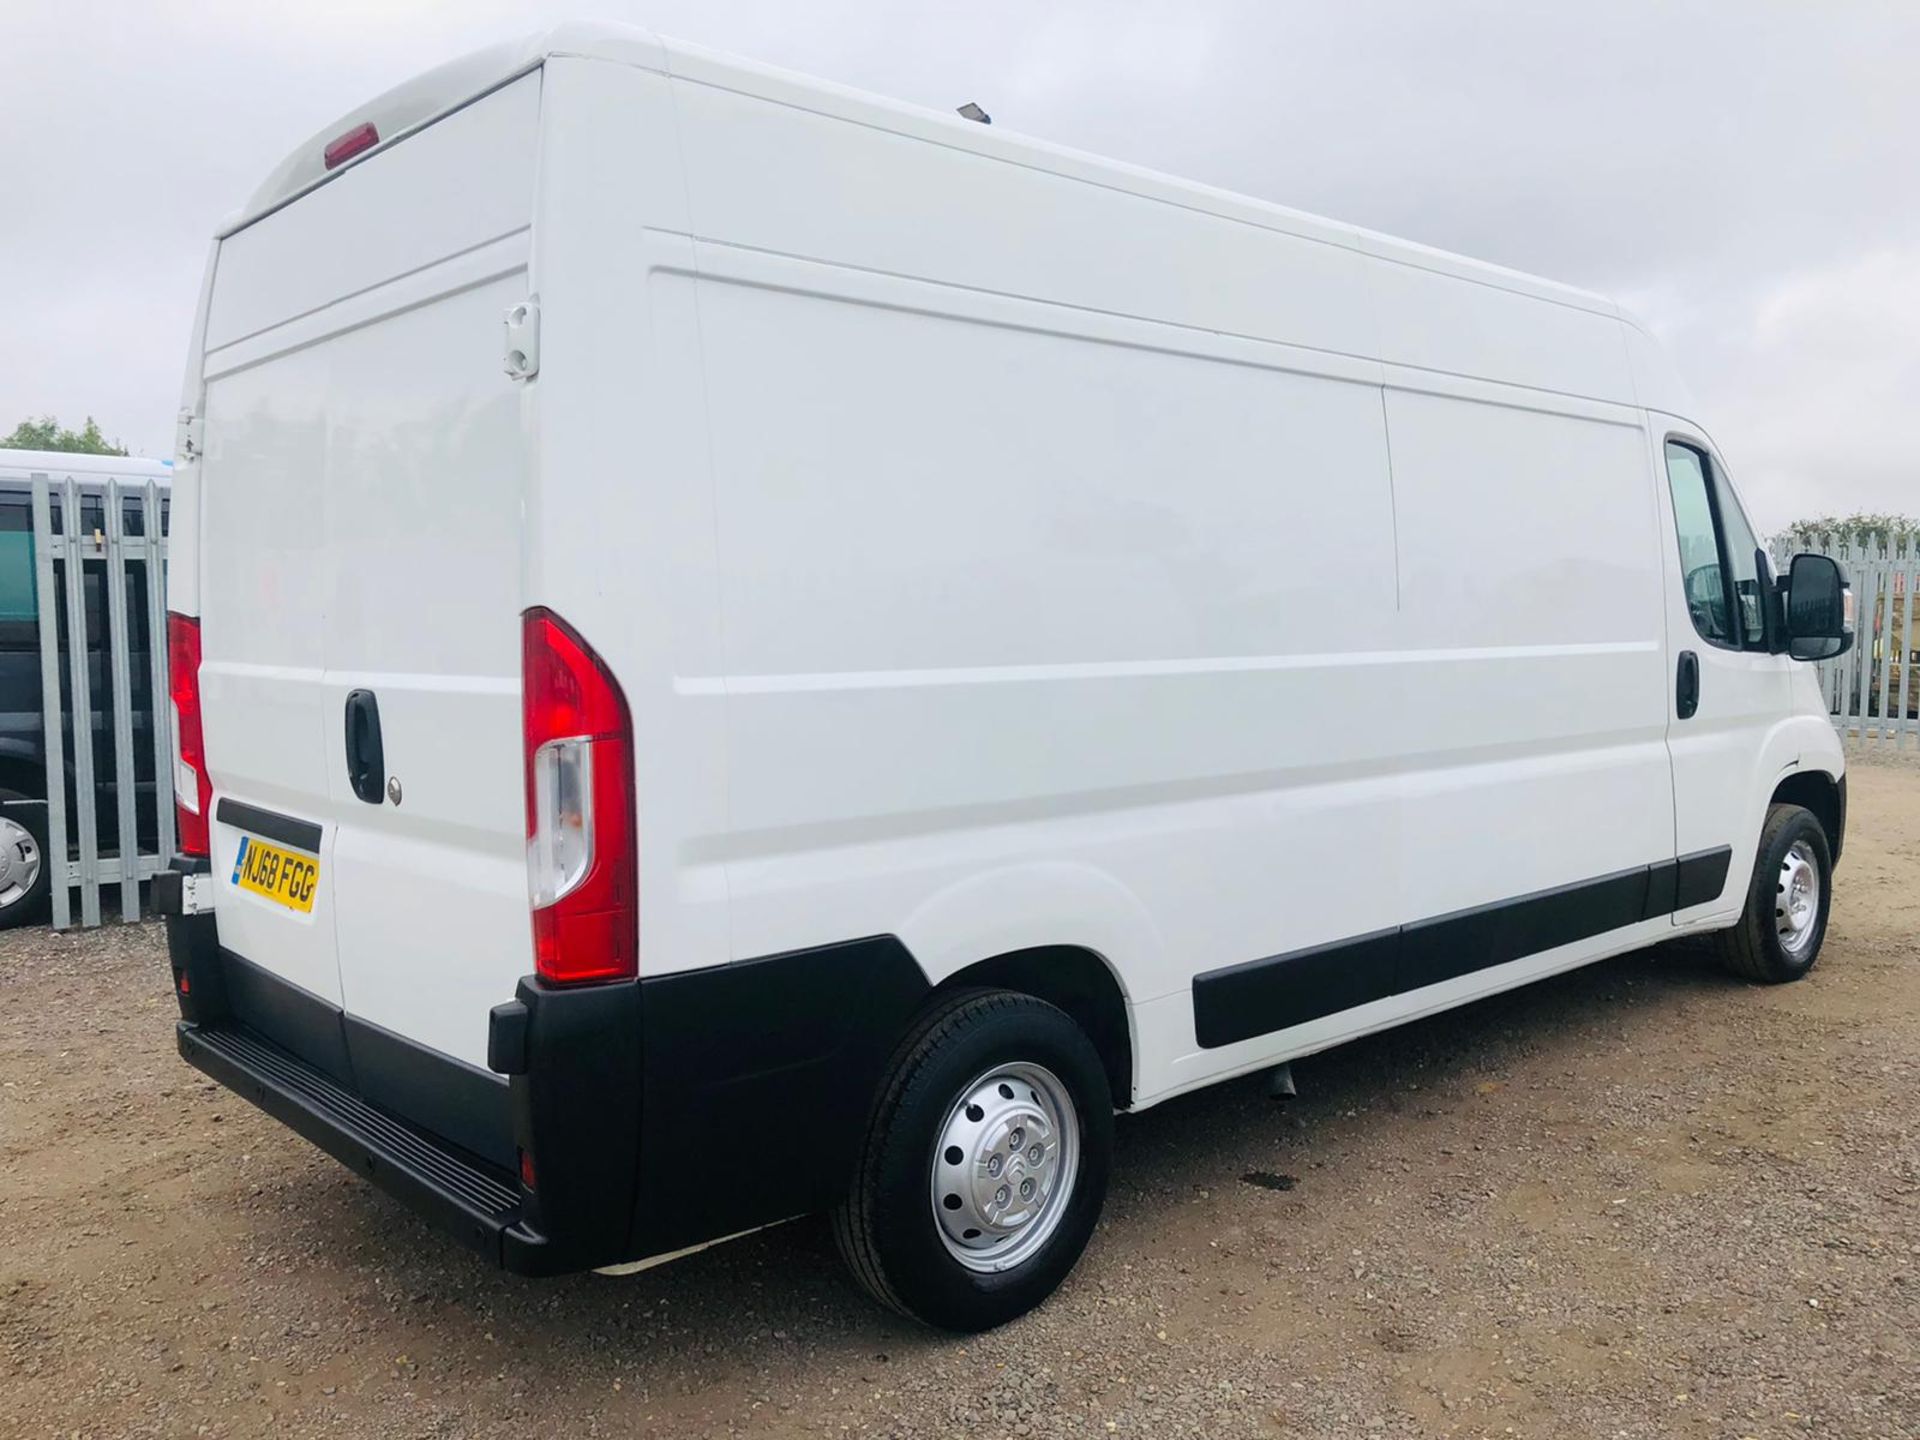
(1818, 606)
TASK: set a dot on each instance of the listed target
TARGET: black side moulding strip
(1259, 997)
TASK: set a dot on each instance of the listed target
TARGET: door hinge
(523, 340)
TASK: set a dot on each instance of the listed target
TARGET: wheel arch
(1076, 980)
(1823, 794)
(1070, 933)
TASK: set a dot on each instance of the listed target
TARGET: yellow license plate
(286, 877)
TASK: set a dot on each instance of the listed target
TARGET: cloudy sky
(1743, 173)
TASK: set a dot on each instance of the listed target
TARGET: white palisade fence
(1873, 691)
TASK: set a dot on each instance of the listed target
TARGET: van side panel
(1528, 550)
(1004, 599)
(791, 181)
(1053, 596)
(1449, 324)
(1537, 813)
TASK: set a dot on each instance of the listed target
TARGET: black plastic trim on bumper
(760, 1077)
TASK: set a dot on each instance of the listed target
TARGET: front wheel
(1778, 935)
(984, 1166)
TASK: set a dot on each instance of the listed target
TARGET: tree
(1893, 532)
(46, 434)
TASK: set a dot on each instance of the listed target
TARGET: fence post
(1863, 654)
(86, 794)
(161, 705)
(53, 743)
(1902, 724)
(119, 676)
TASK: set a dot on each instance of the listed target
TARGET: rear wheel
(984, 1166)
(1779, 934)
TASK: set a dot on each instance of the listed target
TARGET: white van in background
(743, 649)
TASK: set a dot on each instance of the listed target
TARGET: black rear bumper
(569, 1120)
(744, 1089)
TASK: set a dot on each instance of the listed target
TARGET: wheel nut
(1034, 1154)
(1026, 1189)
(993, 1165)
(1015, 1139)
(1002, 1195)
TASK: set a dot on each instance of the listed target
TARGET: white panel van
(741, 649)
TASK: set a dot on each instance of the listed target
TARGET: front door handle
(366, 757)
(1686, 685)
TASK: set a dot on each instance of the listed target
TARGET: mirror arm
(1770, 591)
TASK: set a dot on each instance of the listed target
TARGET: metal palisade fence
(1873, 691)
(99, 554)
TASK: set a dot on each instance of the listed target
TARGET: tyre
(984, 1165)
(24, 874)
(1778, 935)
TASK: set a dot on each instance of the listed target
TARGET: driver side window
(1740, 544)
(1699, 544)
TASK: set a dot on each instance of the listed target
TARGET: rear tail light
(582, 862)
(192, 786)
(344, 147)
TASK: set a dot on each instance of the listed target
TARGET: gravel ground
(1642, 1200)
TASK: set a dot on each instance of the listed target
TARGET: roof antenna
(971, 111)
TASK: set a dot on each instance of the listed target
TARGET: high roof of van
(425, 98)
(16, 464)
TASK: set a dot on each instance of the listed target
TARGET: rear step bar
(407, 1117)
(466, 1197)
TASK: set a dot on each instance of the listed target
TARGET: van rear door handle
(366, 758)
(1686, 685)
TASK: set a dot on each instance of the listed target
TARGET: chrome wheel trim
(1004, 1166)
(1796, 900)
(20, 862)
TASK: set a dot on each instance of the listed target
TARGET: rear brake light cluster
(582, 865)
(192, 785)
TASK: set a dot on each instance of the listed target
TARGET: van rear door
(361, 492)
